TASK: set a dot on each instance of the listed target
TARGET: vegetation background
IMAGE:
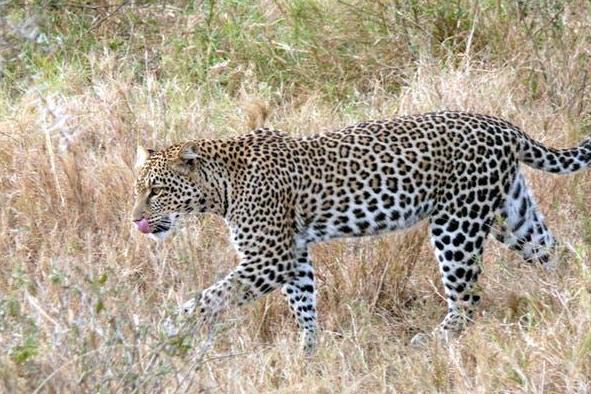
(83, 295)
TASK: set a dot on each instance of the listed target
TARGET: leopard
(279, 194)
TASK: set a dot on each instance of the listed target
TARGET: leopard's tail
(558, 161)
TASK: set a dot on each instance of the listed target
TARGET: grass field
(83, 295)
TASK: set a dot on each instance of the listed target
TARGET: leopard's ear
(186, 158)
(141, 156)
(188, 151)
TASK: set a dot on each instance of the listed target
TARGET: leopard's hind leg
(521, 227)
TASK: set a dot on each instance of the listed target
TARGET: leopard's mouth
(161, 228)
(157, 229)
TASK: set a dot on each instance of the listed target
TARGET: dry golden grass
(83, 296)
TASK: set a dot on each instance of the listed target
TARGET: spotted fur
(279, 194)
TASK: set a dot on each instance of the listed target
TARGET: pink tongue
(143, 226)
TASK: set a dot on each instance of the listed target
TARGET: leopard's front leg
(268, 262)
(263, 232)
(241, 286)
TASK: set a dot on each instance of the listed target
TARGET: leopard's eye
(155, 191)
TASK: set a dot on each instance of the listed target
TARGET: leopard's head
(168, 184)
